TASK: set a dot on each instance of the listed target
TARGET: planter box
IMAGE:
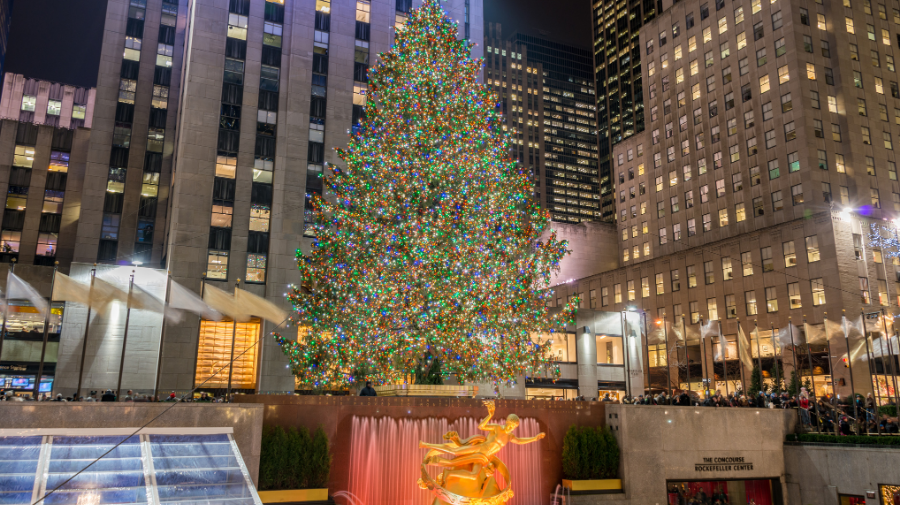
(294, 496)
(600, 486)
(427, 390)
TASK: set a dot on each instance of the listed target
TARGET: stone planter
(599, 486)
(424, 390)
(288, 496)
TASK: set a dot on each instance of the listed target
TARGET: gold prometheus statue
(470, 476)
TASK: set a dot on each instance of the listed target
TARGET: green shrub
(853, 439)
(293, 460)
(590, 453)
(888, 410)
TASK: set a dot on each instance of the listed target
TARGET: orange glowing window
(214, 354)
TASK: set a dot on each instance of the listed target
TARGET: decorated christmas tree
(428, 242)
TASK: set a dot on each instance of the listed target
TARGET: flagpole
(849, 365)
(741, 359)
(812, 378)
(125, 337)
(233, 339)
(758, 352)
(890, 357)
(625, 356)
(828, 342)
(647, 350)
(724, 343)
(12, 269)
(869, 359)
(162, 336)
(87, 327)
(704, 373)
(37, 382)
(687, 358)
(793, 350)
(668, 368)
(893, 366)
(778, 369)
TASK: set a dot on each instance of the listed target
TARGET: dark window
(232, 94)
(162, 76)
(147, 207)
(320, 63)
(271, 56)
(236, 48)
(167, 35)
(220, 238)
(404, 5)
(268, 100)
(704, 12)
(359, 113)
(62, 139)
(13, 219)
(118, 157)
(143, 252)
(362, 31)
(258, 242)
(112, 203)
(135, 28)
(56, 181)
(317, 107)
(223, 189)
(323, 22)
(241, 7)
(265, 146)
(689, 21)
(274, 12)
(50, 223)
(261, 194)
(157, 118)
(360, 72)
(107, 250)
(153, 162)
(26, 134)
(20, 176)
(130, 69)
(229, 140)
(316, 152)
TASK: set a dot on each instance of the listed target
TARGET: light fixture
(137, 263)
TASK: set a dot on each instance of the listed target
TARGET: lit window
(237, 26)
(220, 340)
(362, 11)
(217, 265)
(46, 245)
(222, 213)
(225, 166)
(818, 291)
(764, 84)
(127, 88)
(783, 75)
(160, 97)
(9, 241)
(28, 103)
(259, 218)
(256, 268)
(24, 157)
(164, 55)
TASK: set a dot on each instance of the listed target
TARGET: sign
(726, 464)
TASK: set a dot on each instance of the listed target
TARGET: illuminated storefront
(751, 492)
(214, 352)
(23, 343)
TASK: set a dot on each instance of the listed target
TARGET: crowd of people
(110, 396)
(825, 413)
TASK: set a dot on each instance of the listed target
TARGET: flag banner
(17, 289)
(785, 335)
(881, 346)
(851, 330)
(67, 289)
(744, 347)
(707, 332)
(657, 333)
(676, 331)
(103, 294)
(225, 303)
(260, 307)
(182, 299)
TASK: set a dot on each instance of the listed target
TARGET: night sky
(59, 40)
(56, 40)
(565, 21)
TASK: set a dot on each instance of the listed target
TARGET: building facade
(546, 93)
(617, 72)
(737, 204)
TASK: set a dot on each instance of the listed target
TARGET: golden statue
(469, 478)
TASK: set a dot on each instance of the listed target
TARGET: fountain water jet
(385, 459)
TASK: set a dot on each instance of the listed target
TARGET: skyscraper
(617, 68)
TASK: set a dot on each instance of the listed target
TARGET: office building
(617, 67)
(763, 192)
(546, 94)
(6, 7)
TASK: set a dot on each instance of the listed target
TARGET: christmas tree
(428, 242)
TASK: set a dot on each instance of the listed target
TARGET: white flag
(225, 303)
(17, 289)
(67, 289)
(183, 299)
(259, 306)
(142, 300)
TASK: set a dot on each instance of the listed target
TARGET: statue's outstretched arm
(484, 424)
(523, 441)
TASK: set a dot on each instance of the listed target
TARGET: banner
(183, 299)
(260, 307)
(17, 289)
(225, 303)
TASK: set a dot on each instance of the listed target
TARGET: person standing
(368, 390)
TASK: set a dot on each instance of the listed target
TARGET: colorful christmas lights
(428, 242)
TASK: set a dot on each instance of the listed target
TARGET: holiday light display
(428, 243)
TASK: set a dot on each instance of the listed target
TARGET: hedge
(888, 410)
(853, 439)
(293, 459)
(590, 453)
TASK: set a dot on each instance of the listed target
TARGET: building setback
(758, 191)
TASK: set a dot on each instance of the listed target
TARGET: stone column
(586, 352)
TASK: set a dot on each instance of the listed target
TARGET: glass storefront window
(550, 394)
(751, 492)
(25, 318)
(562, 346)
(609, 350)
(214, 354)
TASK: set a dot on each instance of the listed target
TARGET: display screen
(25, 383)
